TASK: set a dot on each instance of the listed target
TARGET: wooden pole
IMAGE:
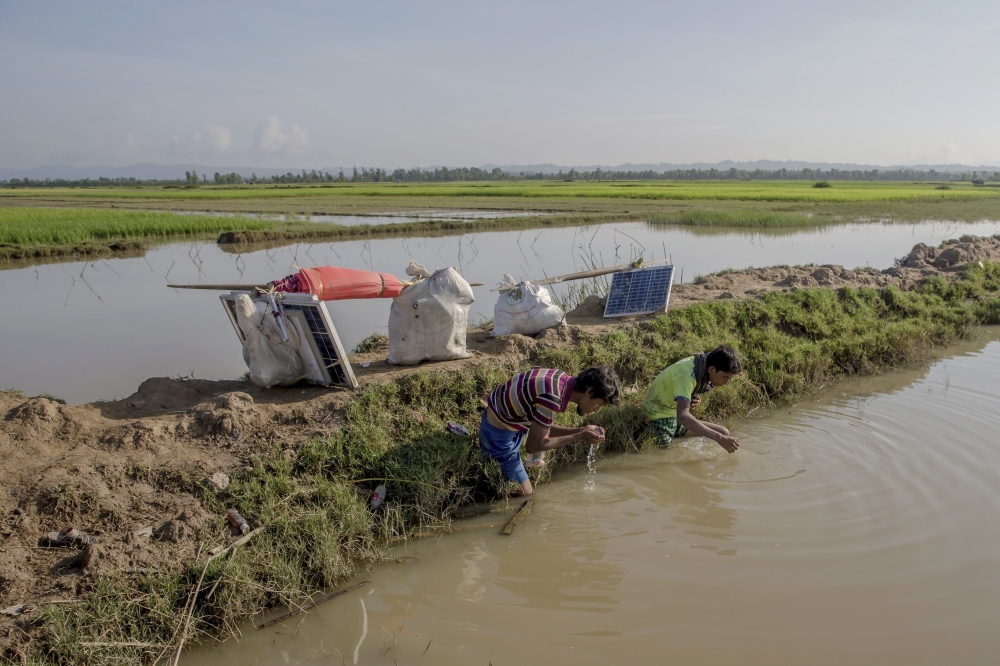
(597, 272)
(247, 287)
(519, 516)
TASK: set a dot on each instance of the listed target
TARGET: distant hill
(725, 165)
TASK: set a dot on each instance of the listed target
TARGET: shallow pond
(858, 527)
(90, 331)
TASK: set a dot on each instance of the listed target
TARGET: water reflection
(375, 218)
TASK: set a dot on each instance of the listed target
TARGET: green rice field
(65, 221)
(788, 191)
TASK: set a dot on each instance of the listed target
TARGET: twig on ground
(312, 605)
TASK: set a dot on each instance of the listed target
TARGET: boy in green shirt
(678, 388)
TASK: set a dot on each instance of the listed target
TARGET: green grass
(313, 504)
(738, 218)
(371, 343)
(787, 191)
(26, 227)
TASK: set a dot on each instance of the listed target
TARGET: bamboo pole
(597, 272)
(525, 510)
(247, 287)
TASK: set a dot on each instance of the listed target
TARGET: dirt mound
(230, 415)
(951, 257)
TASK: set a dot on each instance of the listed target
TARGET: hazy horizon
(583, 83)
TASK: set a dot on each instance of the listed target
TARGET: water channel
(858, 527)
(85, 331)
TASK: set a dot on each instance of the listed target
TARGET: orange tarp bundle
(331, 283)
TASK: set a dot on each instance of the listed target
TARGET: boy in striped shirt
(528, 404)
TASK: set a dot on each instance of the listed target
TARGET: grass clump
(820, 184)
(312, 500)
(736, 218)
(372, 343)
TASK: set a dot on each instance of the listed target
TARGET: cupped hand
(730, 444)
(592, 434)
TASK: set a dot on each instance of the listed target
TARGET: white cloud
(220, 139)
(269, 137)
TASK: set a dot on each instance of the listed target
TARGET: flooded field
(856, 527)
(96, 330)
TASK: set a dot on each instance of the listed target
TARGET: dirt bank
(116, 469)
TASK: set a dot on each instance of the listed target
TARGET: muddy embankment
(131, 473)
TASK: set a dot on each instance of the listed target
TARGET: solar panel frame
(639, 291)
(315, 321)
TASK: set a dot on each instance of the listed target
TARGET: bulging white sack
(526, 309)
(272, 361)
(428, 321)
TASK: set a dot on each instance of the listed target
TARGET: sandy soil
(107, 468)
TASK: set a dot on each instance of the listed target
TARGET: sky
(403, 84)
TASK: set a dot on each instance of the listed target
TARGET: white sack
(271, 360)
(526, 309)
(428, 321)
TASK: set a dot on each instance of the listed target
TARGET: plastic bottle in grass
(378, 496)
(238, 521)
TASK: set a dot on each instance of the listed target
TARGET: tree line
(444, 174)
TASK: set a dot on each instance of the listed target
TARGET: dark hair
(724, 359)
(602, 382)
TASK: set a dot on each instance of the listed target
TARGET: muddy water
(856, 528)
(89, 331)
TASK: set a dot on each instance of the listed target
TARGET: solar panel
(314, 320)
(639, 291)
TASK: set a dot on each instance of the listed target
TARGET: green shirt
(677, 381)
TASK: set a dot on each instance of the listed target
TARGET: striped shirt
(532, 396)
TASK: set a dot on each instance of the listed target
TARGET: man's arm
(696, 427)
(540, 437)
(559, 431)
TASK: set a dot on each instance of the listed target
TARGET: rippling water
(856, 528)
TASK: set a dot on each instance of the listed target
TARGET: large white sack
(429, 320)
(526, 309)
(272, 361)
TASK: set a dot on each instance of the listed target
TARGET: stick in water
(312, 605)
(525, 510)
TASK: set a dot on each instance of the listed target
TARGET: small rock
(725, 295)
(218, 482)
